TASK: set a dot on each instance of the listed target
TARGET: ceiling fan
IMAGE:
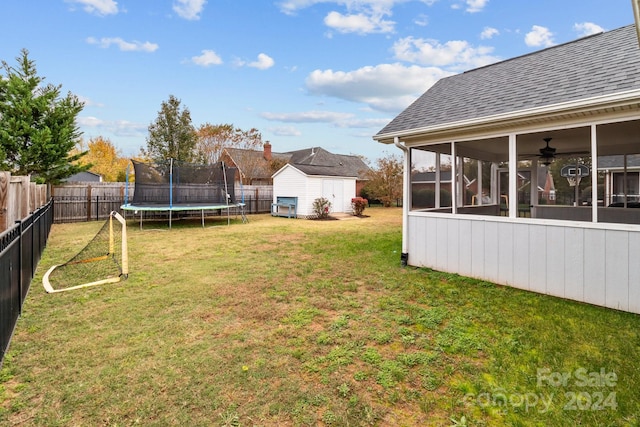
(547, 153)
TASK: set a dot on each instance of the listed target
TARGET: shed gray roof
(318, 161)
(602, 64)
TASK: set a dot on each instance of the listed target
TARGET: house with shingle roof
(254, 167)
(257, 167)
(574, 102)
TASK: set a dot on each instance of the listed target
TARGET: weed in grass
(301, 317)
(229, 419)
(382, 337)
(360, 376)
(325, 338)
(371, 356)
(341, 323)
(343, 390)
(391, 372)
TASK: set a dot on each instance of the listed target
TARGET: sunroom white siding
(587, 262)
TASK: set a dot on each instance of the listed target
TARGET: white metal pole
(594, 174)
(513, 177)
(405, 200)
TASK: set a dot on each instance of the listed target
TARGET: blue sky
(305, 73)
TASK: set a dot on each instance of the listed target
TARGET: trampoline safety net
(174, 183)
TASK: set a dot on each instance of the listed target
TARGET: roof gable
(601, 64)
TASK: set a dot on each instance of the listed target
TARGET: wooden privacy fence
(88, 201)
(18, 198)
(91, 201)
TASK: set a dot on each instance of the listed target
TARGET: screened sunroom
(525, 172)
(556, 174)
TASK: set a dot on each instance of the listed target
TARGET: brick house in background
(257, 167)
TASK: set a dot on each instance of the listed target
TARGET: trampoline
(173, 186)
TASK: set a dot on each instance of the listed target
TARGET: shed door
(333, 190)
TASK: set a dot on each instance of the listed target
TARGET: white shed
(293, 181)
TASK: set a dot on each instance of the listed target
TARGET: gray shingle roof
(617, 162)
(318, 161)
(602, 64)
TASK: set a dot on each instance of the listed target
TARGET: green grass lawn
(283, 322)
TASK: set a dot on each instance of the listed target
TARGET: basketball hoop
(574, 180)
(574, 173)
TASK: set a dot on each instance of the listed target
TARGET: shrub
(321, 207)
(358, 204)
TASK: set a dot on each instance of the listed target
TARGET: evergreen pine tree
(38, 128)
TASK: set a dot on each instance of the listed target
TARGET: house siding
(289, 181)
(577, 261)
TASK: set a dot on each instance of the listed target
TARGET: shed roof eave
(576, 106)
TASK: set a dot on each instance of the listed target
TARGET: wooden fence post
(88, 202)
(5, 178)
(24, 195)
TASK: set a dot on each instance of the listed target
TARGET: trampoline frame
(171, 207)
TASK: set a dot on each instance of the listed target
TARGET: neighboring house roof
(602, 64)
(318, 161)
(617, 162)
(310, 161)
(253, 159)
(430, 176)
(85, 176)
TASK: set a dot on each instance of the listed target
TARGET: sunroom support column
(533, 197)
(513, 177)
(479, 183)
(406, 200)
(454, 179)
(437, 195)
(594, 174)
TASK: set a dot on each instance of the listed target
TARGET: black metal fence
(20, 250)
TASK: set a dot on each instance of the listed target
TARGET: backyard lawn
(283, 322)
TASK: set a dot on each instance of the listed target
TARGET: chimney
(267, 151)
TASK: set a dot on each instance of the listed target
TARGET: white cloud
(284, 131)
(290, 7)
(207, 58)
(385, 87)
(364, 123)
(474, 6)
(359, 23)
(454, 54)
(98, 7)
(88, 102)
(134, 46)
(263, 62)
(489, 33)
(539, 37)
(307, 117)
(421, 20)
(338, 120)
(121, 128)
(189, 9)
(587, 28)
